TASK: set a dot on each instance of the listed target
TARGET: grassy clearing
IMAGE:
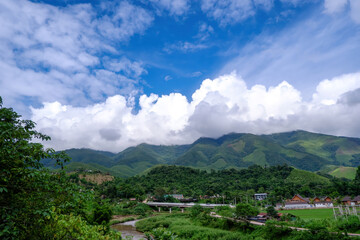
(308, 214)
(298, 176)
(97, 178)
(344, 172)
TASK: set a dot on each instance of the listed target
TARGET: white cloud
(125, 66)
(50, 53)
(328, 92)
(185, 47)
(265, 4)
(225, 104)
(175, 7)
(340, 6)
(196, 74)
(316, 48)
(201, 41)
(124, 20)
(167, 78)
(205, 32)
(228, 11)
(355, 10)
(333, 6)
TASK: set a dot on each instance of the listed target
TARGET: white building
(260, 196)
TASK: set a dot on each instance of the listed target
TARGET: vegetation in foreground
(198, 224)
(36, 203)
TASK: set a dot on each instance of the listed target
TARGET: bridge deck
(185, 205)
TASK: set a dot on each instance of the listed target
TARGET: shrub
(74, 227)
(102, 214)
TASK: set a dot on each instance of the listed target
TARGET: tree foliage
(244, 210)
(29, 193)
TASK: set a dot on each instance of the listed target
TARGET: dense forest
(281, 182)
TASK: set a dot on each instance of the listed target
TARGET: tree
(356, 182)
(357, 176)
(102, 214)
(244, 210)
(196, 210)
(271, 212)
(31, 197)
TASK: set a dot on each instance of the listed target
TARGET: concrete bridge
(184, 205)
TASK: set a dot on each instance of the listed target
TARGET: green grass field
(308, 214)
(344, 172)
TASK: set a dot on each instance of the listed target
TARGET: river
(128, 229)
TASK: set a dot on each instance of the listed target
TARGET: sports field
(311, 213)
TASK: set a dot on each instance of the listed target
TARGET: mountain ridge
(300, 149)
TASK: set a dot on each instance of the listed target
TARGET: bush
(195, 211)
(244, 210)
(351, 224)
(161, 234)
(141, 209)
(74, 227)
(102, 214)
(272, 231)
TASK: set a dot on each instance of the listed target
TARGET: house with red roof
(298, 201)
(347, 200)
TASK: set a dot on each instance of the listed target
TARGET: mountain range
(300, 149)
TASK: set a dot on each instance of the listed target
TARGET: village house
(260, 196)
(301, 202)
(347, 200)
(297, 201)
(322, 202)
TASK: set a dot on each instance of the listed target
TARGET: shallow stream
(128, 229)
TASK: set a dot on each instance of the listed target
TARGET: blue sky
(168, 72)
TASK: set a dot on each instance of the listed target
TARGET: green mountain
(303, 150)
(86, 156)
(244, 150)
(338, 150)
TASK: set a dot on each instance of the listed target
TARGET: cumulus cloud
(219, 106)
(328, 92)
(50, 53)
(350, 98)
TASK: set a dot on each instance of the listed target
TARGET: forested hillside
(282, 182)
(300, 149)
(338, 150)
